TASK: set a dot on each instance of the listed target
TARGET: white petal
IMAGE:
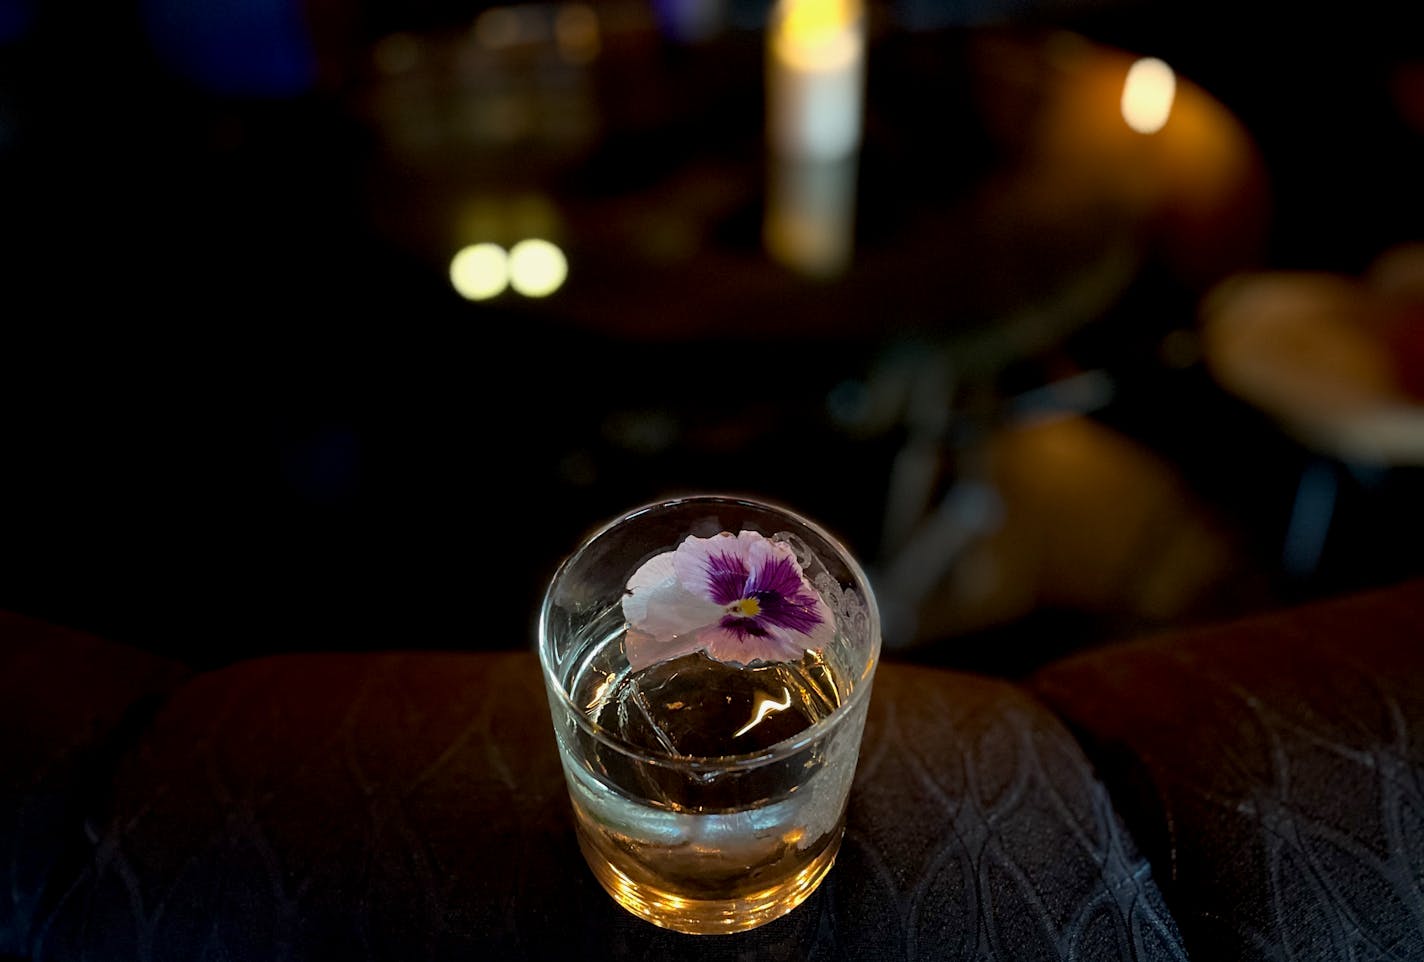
(662, 615)
(666, 610)
(655, 569)
(643, 650)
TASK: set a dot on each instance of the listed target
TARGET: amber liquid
(697, 846)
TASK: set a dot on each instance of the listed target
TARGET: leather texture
(411, 806)
(1273, 771)
(69, 702)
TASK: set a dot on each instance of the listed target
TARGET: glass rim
(774, 752)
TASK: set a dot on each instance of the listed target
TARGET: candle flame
(818, 34)
(1147, 95)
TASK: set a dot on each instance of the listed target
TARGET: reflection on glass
(1147, 95)
(537, 268)
(600, 695)
(765, 705)
(480, 271)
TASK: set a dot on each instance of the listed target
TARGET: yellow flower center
(747, 607)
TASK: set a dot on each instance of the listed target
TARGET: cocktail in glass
(709, 663)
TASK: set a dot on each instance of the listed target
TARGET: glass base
(709, 916)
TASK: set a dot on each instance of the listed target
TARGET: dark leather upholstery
(412, 807)
(1273, 770)
(68, 704)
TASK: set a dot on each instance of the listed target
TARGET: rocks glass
(709, 662)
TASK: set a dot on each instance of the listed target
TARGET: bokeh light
(817, 34)
(537, 268)
(1147, 95)
(480, 271)
(576, 33)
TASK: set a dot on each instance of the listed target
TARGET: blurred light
(537, 268)
(1077, 394)
(480, 271)
(1147, 95)
(809, 223)
(576, 32)
(397, 54)
(505, 117)
(817, 33)
(500, 27)
(529, 215)
(815, 78)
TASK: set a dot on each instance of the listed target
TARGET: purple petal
(726, 578)
(803, 612)
(729, 645)
(780, 588)
(774, 568)
(716, 568)
(678, 603)
(742, 626)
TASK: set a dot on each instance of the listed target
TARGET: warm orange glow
(1147, 95)
(643, 894)
(576, 32)
(500, 27)
(818, 34)
(810, 216)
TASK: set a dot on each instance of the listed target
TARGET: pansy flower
(741, 598)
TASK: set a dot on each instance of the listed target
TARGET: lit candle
(815, 78)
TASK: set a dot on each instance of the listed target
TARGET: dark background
(242, 411)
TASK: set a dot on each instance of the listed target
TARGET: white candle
(815, 78)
